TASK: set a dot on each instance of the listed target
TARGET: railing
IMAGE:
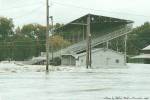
(80, 46)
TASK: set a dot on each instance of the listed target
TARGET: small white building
(100, 58)
(144, 57)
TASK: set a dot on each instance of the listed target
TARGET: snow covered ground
(26, 82)
(17, 67)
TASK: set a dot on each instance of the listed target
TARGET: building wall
(103, 59)
(146, 61)
(68, 60)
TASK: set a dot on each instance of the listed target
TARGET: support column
(90, 50)
(107, 44)
(83, 32)
(117, 46)
(125, 49)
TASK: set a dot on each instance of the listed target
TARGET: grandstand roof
(97, 23)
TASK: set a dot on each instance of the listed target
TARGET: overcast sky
(33, 11)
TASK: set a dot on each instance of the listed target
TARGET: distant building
(100, 57)
(99, 31)
(144, 57)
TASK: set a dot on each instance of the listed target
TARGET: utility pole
(52, 48)
(88, 49)
(47, 35)
(125, 48)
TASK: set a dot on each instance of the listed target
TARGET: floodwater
(132, 83)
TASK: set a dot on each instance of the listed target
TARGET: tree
(58, 25)
(26, 42)
(22, 47)
(37, 33)
(6, 28)
(18, 31)
(58, 42)
(138, 39)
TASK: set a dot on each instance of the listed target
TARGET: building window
(77, 59)
(117, 60)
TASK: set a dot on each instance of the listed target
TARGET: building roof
(93, 51)
(95, 19)
(98, 23)
(100, 49)
(146, 48)
(142, 56)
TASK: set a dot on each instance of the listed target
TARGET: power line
(25, 6)
(84, 8)
(25, 41)
(29, 13)
(45, 40)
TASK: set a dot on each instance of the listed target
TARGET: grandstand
(102, 29)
